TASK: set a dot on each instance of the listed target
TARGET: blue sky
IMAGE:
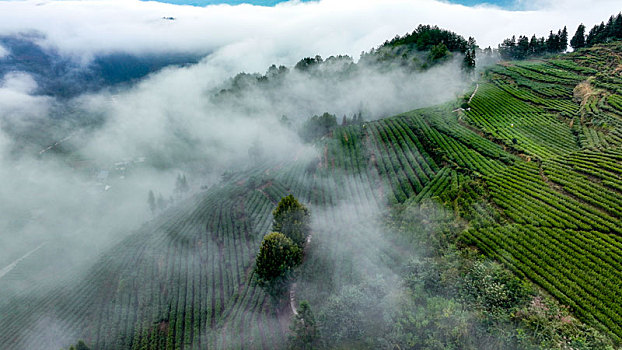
(500, 3)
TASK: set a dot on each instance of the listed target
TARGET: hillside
(527, 168)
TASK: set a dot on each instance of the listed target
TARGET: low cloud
(288, 31)
(3, 52)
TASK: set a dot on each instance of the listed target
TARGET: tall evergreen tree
(552, 43)
(617, 26)
(563, 40)
(533, 45)
(292, 219)
(609, 28)
(469, 55)
(578, 40)
(522, 47)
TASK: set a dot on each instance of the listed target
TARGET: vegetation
(318, 126)
(79, 346)
(523, 47)
(425, 37)
(495, 225)
(304, 329)
(603, 33)
(277, 257)
(292, 219)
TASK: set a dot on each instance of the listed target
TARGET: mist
(75, 172)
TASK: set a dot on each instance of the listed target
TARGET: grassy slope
(550, 165)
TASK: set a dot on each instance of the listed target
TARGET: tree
(152, 202)
(507, 48)
(277, 257)
(80, 346)
(304, 329)
(552, 43)
(563, 40)
(522, 47)
(318, 126)
(438, 52)
(181, 184)
(292, 219)
(578, 40)
(617, 27)
(469, 56)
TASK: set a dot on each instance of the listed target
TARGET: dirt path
(13, 265)
(292, 299)
(292, 290)
(469, 102)
(473, 94)
(55, 144)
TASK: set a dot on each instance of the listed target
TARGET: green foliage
(277, 257)
(605, 32)
(523, 47)
(578, 39)
(425, 37)
(469, 55)
(79, 346)
(292, 219)
(305, 334)
(355, 315)
(308, 62)
(527, 175)
(438, 52)
(318, 126)
(555, 327)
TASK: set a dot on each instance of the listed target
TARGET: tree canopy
(305, 335)
(578, 40)
(277, 256)
(524, 47)
(605, 32)
(292, 219)
(425, 37)
(318, 126)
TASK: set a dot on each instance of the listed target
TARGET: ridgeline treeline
(524, 47)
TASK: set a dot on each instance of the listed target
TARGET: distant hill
(60, 76)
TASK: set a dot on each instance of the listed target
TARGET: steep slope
(532, 166)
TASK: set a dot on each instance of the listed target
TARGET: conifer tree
(563, 40)
(578, 40)
(292, 219)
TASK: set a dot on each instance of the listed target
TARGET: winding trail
(292, 299)
(12, 265)
(292, 290)
(469, 102)
(473, 94)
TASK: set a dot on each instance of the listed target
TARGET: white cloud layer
(288, 31)
(3, 52)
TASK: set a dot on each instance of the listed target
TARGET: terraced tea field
(541, 139)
